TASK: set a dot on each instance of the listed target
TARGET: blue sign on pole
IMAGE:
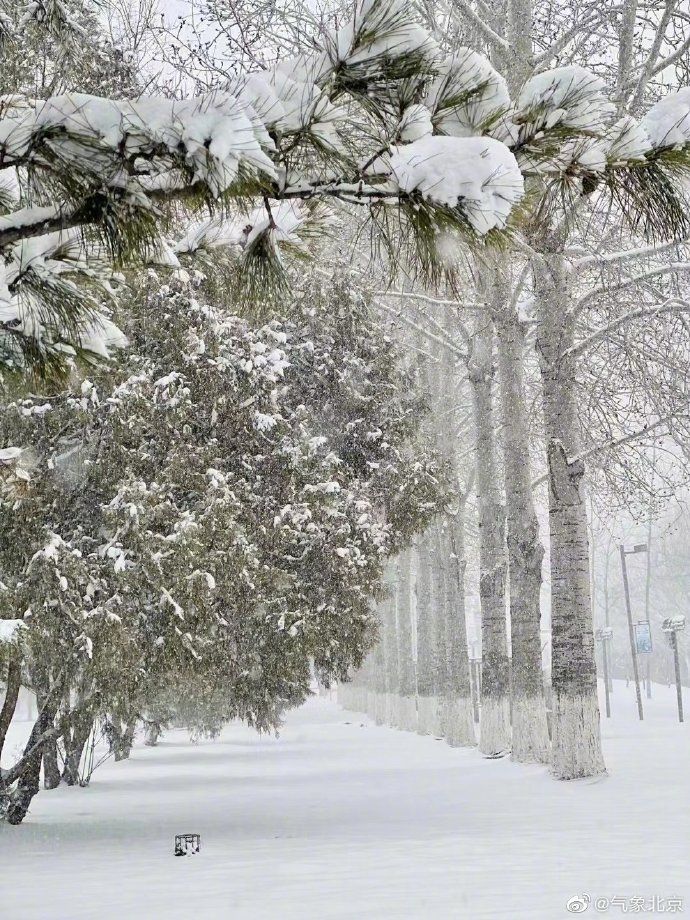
(643, 637)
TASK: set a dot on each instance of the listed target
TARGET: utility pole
(604, 635)
(638, 548)
(648, 581)
(679, 687)
(672, 626)
(607, 618)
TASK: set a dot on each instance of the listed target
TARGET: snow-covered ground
(340, 819)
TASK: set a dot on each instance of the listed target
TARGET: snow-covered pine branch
(373, 117)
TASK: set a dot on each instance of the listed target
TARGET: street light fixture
(637, 548)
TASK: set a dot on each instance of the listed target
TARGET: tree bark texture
(576, 743)
(530, 736)
(13, 684)
(495, 716)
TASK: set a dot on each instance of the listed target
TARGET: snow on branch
(595, 260)
(626, 283)
(370, 114)
(141, 144)
(479, 174)
(614, 443)
(647, 313)
(9, 630)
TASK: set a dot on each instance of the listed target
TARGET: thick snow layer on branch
(51, 263)
(10, 454)
(9, 630)
(289, 101)
(415, 123)
(100, 336)
(27, 217)
(668, 121)
(467, 96)
(380, 29)
(627, 140)
(568, 96)
(477, 174)
(213, 135)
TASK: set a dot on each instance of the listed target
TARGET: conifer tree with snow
(210, 515)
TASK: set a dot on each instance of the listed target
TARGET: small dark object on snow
(187, 844)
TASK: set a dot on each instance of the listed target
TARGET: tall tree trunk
(152, 733)
(365, 677)
(457, 710)
(459, 722)
(390, 639)
(494, 735)
(75, 742)
(14, 680)
(442, 621)
(519, 33)
(51, 769)
(576, 743)
(427, 701)
(377, 712)
(407, 686)
(28, 784)
(122, 737)
(530, 740)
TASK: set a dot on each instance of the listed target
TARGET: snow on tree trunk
(530, 736)
(518, 63)
(494, 735)
(576, 739)
(458, 716)
(427, 702)
(366, 681)
(407, 701)
(442, 627)
(363, 678)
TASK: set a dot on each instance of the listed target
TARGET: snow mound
(216, 232)
(627, 140)
(668, 121)
(290, 102)
(477, 174)
(569, 96)
(51, 260)
(467, 96)
(380, 31)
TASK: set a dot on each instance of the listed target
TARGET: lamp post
(638, 548)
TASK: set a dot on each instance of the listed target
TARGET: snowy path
(341, 819)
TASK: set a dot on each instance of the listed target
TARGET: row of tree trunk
(427, 612)
(418, 677)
